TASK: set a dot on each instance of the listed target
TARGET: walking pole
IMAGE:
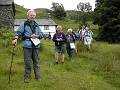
(10, 69)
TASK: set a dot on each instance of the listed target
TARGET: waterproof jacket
(25, 30)
(59, 35)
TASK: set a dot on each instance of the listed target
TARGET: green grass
(97, 69)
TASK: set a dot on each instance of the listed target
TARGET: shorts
(60, 49)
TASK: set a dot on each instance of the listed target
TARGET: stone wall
(7, 16)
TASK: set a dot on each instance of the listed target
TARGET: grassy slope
(79, 74)
(21, 12)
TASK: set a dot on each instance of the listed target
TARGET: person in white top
(82, 33)
(88, 37)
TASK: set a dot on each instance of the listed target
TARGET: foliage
(84, 7)
(58, 11)
(6, 37)
(106, 15)
(84, 11)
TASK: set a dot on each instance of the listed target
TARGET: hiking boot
(26, 80)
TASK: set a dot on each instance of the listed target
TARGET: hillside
(21, 12)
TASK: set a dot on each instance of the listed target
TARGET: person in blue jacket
(31, 34)
(60, 39)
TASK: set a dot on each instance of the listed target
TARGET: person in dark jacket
(30, 32)
(70, 43)
(59, 38)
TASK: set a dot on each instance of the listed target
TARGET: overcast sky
(68, 4)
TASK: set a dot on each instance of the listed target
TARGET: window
(46, 27)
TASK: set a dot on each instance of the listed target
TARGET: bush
(6, 37)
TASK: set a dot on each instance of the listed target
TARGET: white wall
(52, 30)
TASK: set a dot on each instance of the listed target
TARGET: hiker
(31, 34)
(70, 43)
(49, 36)
(88, 37)
(82, 33)
(59, 38)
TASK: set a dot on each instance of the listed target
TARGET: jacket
(26, 31)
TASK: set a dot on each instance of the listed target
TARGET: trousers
(31, 56)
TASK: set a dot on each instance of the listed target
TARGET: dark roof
(6, 2)
(49, 22)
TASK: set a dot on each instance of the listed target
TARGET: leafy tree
(84, 10)
(58, 10)
(107, 16)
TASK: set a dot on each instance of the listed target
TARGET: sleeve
(73, 38)
(54, 37)
(20, 30)
(64, 38)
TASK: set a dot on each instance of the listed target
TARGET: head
(83, 27)
(87, 28)
(31, 14)
(59, 28)
(69, 31)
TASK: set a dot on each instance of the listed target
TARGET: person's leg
(56, 57)
(62, 51)
(68, 51)
(36, 66)
(62, 57)
(56, 54)
(27, 61)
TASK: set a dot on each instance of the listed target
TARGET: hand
(14, 42)
(58, 39)
(33, 36)
(61, 39)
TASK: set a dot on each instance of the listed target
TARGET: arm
(54, 38)
(18, 33)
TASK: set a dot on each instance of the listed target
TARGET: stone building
(7, 13)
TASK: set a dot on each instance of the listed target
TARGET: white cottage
(46, 25)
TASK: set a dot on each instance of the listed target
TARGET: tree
(107, 16)
(58, 11)
(83, 13)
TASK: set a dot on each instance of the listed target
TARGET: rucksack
(23, 35)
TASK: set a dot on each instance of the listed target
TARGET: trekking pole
(10, 69)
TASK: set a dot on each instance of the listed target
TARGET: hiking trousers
(31, 56)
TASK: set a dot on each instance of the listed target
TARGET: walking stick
(10, 69)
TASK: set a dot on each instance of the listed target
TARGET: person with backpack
(31, 35)
(88, 37)
(70, 43)
(60, 39)
(82, 33)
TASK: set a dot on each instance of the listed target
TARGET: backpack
(23, 35)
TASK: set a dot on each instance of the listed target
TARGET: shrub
(6, 36)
